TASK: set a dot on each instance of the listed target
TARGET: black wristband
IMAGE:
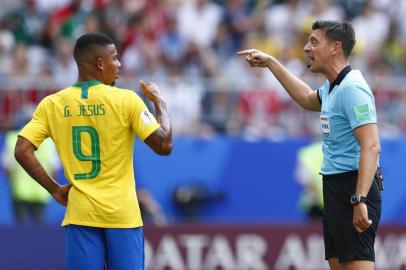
(356, 199)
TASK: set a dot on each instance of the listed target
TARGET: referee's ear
(336, 48)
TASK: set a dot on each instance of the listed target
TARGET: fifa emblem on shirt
(325, 125)
(146, 117)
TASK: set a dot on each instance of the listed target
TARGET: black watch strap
(356, 199)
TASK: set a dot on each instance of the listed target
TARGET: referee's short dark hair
(87, 43)
(338, 31)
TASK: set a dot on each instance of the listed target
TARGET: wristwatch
(356, 199)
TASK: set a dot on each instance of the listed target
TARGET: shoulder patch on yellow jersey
(147, 117)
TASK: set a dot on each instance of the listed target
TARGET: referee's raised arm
(295, 87)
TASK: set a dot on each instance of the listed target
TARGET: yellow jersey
(93, 127)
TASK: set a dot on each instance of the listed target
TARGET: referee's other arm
(368, 138)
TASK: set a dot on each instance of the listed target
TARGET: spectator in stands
(203, 15)
(172, 44)
(183, 102)
(7, 43)
(325, 10)
(282, 21)
(28, 23)
(371, 18)
(146, 31)
(64, 68)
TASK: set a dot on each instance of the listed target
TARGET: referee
(352, 200)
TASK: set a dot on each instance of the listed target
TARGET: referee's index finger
(246, 52)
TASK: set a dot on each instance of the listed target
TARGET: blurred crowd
(189, 48)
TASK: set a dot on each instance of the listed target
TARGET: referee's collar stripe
(340, 77)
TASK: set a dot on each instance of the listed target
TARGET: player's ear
(100, 63)
(335, 47)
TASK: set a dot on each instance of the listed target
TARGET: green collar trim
(85, 87)
(87, 83)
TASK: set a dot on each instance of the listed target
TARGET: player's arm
(24, 154)
(368, 138)
(161, 139)
(296, 88)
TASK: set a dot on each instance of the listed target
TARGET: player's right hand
(255, 57)
(360, 219)
(150, 90)
(61, 194)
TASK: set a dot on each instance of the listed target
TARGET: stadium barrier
(206, 247)
(243, 181)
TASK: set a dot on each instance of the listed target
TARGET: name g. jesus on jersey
(86, 110)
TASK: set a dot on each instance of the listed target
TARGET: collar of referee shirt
(340, 77)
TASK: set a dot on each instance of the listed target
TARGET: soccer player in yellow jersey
(93, 125)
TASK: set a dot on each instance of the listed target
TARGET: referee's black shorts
(340, 237)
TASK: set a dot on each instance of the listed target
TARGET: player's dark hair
(338, 31)
(87, 43)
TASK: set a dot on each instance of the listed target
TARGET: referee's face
(111, 65)
(318, 51)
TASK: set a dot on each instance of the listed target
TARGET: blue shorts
(90, 248)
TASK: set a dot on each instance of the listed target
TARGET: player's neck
(83, 77)
(335, 69)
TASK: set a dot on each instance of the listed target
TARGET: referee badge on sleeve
(362, 112)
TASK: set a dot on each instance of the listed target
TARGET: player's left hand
(150, 90)
(360, 219)
(61, 194)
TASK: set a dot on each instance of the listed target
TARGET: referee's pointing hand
(360, 219)
(255, 57)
